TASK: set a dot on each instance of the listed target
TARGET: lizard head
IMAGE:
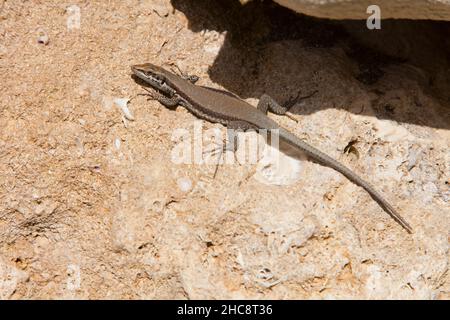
(154, 76)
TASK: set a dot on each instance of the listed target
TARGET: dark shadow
(262, 36)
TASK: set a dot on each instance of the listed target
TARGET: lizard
(223, 107)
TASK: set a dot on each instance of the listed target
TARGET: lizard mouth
(149, 79)
(148, 76)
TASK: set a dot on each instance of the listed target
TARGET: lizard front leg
(169, 102)
(189, 77)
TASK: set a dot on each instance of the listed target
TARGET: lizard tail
(326, 160)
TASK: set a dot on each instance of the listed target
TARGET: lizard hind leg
(232, 143)
(233, 127)
(229, 144)
(267, 103)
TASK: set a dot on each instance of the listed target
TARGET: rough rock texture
(92, 205)
(356, 9)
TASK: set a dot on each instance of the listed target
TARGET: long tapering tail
(326, 160)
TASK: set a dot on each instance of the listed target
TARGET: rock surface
(93, 206)
(356, 9)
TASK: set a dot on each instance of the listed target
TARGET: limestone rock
(356, 9)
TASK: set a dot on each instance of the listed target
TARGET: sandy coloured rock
(357, 9)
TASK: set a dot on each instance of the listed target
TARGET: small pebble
(380, 226)
(43, 37)
(122, 104)
(117, 143)
(184, 184)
